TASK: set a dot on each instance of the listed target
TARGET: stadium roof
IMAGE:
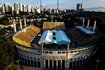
(85, 30)
(59, 37)
(47, 35)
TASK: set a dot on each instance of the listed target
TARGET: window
(34, 58)
(79, 50)
(75, 51)
(53, 33)
(82, 50)
(71, 59)
(71, 51)
(63, 52)
(59, 52)
(86, 49)
(74, 58)
(50, 52)
(46, 52)
(54, 38)
(78, 58)
(38, 59)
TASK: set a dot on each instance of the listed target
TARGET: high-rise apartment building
(16, 8)
(7, 7)
(28, 8)
(0, 8)
(20, 7)
(79, 7)
(3, 9)
(23, 8)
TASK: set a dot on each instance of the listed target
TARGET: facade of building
(3, 9)
(7, 7)
(20, 7)
(28, 8)
(55, 59)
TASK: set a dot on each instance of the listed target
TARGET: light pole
(97, 61)
(9, 65)
(18, 64)
(12, 64)
(42, 54)
(67, 55)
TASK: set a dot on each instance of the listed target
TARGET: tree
(7, 51)
(100, 54)
(4, 21)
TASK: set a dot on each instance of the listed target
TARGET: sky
(64, 4)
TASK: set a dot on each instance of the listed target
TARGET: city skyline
(64, 4)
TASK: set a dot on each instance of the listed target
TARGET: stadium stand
(80, 36)
(54, 25)
(25, 36)
(85, 30)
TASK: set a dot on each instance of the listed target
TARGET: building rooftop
(87, 31)
(54, 36)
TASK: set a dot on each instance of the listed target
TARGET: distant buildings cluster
(6, 8)
(16, 8)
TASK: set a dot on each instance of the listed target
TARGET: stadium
(54, 46)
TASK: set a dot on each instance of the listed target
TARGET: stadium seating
(79, 36)
(25, 36)
(54, 25)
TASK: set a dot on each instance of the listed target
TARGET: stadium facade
(54, 46)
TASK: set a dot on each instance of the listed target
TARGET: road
(15, 66)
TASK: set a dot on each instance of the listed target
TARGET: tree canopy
(4, 21)
(7, 51)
